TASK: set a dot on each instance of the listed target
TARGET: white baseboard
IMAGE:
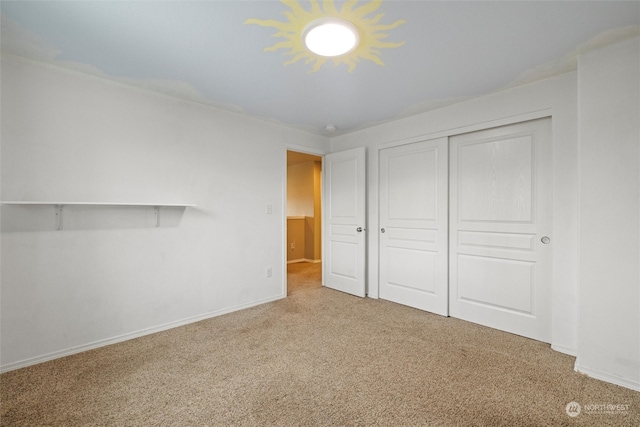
(125, 337)
(603, 376)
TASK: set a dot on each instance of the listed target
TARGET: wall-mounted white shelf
(60, 207)
(177, 205)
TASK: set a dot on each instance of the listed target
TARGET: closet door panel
(413, 218)
(500, 220)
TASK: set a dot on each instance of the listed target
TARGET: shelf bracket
(59, 217)
(157, 209)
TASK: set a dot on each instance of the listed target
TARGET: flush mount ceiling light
(365, 43)
(330, 37)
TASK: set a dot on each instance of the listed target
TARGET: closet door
(413, 221)
(500, 220)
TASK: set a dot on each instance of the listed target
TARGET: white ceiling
(204, 51)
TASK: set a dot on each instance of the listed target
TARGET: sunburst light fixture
(306, 33)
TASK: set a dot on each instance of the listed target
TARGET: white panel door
(344, 258)
(500, 220)
(413, 221)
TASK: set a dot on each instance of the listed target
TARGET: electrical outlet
(269, 272)
(269, 209)
(293, 245)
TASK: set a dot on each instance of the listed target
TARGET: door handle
(359, 229)
(545, 240)
(382, 230)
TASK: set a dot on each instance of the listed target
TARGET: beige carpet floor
(316, 358)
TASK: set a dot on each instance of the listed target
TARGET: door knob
(545, 240)
(382, 230)
(359, 229)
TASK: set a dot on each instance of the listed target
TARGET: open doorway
(304, 225)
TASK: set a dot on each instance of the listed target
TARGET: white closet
(464, 227)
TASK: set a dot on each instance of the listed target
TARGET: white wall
(554, 97)
(609, 307)
(110, 274)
